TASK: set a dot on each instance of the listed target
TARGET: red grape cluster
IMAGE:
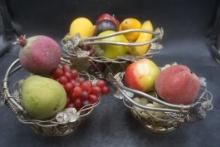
(80, 91)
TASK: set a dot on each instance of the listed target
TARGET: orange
(130, 23)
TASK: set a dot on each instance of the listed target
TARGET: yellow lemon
(83, 26)
(130, 23)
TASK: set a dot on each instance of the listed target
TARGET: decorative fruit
(78, 89)
(107, 17)
(141, 75)
(96, 90)
(93, 98)
(130, 23)
(105, 25)
(78, 104)
(100, 83)
(82, 26)
(105, 90)
(113, 51)
(39, 54)
(142, 101)
(87, 86)
(42, 97)
(143, 37)
(176, 84)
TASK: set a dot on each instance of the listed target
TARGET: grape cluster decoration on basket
(56, 88)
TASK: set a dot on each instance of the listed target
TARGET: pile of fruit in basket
(53, 86)
(174, 84)
(162, 98)
(106, 25)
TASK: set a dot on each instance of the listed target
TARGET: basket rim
(72, 49)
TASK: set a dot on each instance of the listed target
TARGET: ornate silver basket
(62, 124)
(157, 115)
(100, 65)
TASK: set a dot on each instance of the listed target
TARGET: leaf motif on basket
(68, 115)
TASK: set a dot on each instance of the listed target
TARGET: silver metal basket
(166, 117)
(73, 52)
(63, 124)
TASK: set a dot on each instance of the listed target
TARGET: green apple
(42, 97)
(113, 51)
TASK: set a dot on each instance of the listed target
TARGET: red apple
(176, 84)
(141, 75)
(107, 17)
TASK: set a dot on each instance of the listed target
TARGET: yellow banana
(141, 50)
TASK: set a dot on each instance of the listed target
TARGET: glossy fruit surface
(78, 104)
(107, 17)
(93, 98)
(77, 91)
(141, 75)
(113, 51)
(58, 73)
(130, 23)
(80, 91)
(41, 97)
(86, 86)
(104, 26)
(143, 37)
(105, 90)
(68, 87)
(63, 80)
(96, 90)
(100, 83)
(82, 26)
(40, 54)
(176, 84)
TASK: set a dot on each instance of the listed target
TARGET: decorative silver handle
(76, 40)
(72, 46)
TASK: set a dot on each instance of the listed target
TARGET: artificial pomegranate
(176, 84)
(39, 54)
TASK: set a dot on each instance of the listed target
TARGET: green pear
(42, 97)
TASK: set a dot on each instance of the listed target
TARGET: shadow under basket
(159, 116)
(62, 124)
(82, 52)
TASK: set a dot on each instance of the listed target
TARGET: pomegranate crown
(21, 40)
